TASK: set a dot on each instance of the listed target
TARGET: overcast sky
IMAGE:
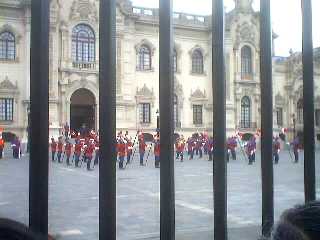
(286, 18)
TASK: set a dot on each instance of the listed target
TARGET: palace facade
(74, 62)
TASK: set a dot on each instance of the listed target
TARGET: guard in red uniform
(121, 152)
(157, 151)
(77, 152)
(1, 147)
(68, 149)
(191, 145)
(97, 147)
(129, 150)
(60, 149)
(142, 149)
(88, 154)
(181, 145)
(53, 146)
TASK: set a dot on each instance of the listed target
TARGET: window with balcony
(83, 44)
(197, 114)
(197, 62)
(144, 113)
(7, 46)
(245, 112)
(6, 109)
(246, 62)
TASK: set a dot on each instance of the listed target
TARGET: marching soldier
(60, 149)
(180, 149)
(53, 146)
(210, 148)
(66, 130)
(67, 150)
(191, 145)
(16, 147)
(157, 151)
(142, 149)
(77, 152)
(89, 153)
(1, 146)
(231, 145)
(296, 146)
(199, 147)
(97, 148)
(121, 152)
(251, 148)
(129, 147)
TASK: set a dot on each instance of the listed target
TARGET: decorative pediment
(147, 43)
(245, 34)
(279, 100)
(6, 84)
(145, 92)
(198, 94)
(84, 10)
(199, 48)
(9, 28)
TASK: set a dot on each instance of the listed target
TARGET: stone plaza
(73, 197)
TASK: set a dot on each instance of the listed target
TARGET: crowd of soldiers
(85, 147)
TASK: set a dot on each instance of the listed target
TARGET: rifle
(134, 142)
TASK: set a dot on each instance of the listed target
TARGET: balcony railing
(84, 65)
(247, 125)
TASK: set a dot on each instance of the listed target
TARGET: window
(300, 111)
(245, 112)
(317, 116)
(246, 62)
(175, 63)
(197, 62)
(279, 116)
(83, 44)
(6, 109)
(175, 111)
(197, 114)
(7, 46)
(144, 58)
(144, 113)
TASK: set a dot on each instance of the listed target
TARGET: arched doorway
(82, 109)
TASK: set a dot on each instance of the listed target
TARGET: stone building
(74, 61)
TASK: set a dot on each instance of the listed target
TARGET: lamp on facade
(158, 119)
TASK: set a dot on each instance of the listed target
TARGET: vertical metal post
(219, 120)
(39, 117)
(308, 103)
(167, 199)
(107, 114)
(266, 118)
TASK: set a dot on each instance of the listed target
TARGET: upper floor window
(6, 109)
(197, 62)
(175, 62)
(144, 113)
(83, 44)
(300, 111)
(144, 58)
(246, 62)
(197, 114)
(279, 116)
(245, 112)
(7, 46)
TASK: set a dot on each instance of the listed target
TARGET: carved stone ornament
(84, 10)
(8, 85)
(198, 94)
(147, 43)
(145, 92)
(245, 34)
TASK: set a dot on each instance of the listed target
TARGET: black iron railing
(38, 210)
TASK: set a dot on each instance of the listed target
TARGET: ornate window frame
(204, 56)
(151, 48)
(17, 40)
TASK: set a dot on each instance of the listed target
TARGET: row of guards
(15, 146)
(85, 148)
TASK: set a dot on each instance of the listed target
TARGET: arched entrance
(82, 109)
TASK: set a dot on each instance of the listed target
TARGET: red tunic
(53, 146)
(77, 149)
(129, 148)
(157, 149)
(60, 146)
(68, 149)
(89, 150)
(122, 149)
(142, 146)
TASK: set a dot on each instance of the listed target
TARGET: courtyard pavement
(73, 198)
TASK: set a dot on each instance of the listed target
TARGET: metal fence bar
(308, 103)
(167, 197)
(266, 118)
(39, 117)
(219, 120)
(107, 120)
